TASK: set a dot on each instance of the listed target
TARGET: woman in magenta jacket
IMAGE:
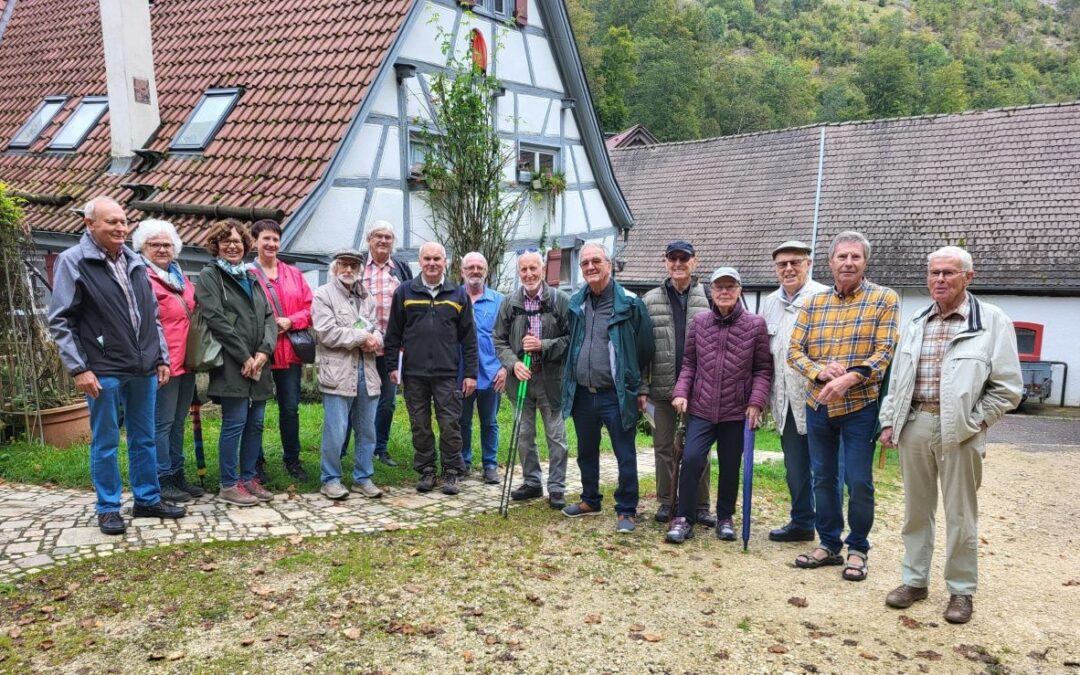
(290, 298)
(724, 385)
(160, 245)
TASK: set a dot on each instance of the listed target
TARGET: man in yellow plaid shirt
(843, 342)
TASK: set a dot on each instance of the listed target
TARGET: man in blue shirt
(491, 377)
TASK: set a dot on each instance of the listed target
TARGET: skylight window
(78, 126)
(40, 118)
(207, 118)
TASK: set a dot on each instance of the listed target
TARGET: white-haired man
(431, 320)
(104, 318)
(382, 274)
(491, 375)
(956, 373)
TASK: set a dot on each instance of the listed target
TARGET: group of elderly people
(693, 354)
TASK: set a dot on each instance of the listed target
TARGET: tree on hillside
(616, 72)
(888, 79)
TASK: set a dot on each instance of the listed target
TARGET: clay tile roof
(282, 52)
(1001, 183)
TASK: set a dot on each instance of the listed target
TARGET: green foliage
(693, 68)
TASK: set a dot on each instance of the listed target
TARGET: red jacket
(174, 320)
(727, 365)
(295, 296)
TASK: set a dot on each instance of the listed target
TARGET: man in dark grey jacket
(104, 318)
(672, 306)
(533, 319)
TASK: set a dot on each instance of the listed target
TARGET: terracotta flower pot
(66, 425)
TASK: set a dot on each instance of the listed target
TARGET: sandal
(855, 571)
(808, 561)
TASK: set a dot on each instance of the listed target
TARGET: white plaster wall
(390, 163)
(504, 113)
(423, 42)
(511, 63)
(386, 98)
(531, 113)
(389, 205)
(535, 19)
(574, 220)
(598, 215)
(421, 220)
(543, 62)
(1059, 316)
(478, 23)
(416, 102)
(361, 155)
(332, 224)
(584, 172)
(571, 131)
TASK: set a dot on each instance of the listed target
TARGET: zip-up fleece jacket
(437, 333)
(512, 325)
(980, 375)
(89, 319)
(727, 365)
(630, 349)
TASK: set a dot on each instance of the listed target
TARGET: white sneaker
(368, 489)
(334, 490)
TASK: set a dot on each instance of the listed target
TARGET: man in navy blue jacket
(431, 318)
(104, 319)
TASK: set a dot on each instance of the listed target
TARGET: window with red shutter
(521, 13)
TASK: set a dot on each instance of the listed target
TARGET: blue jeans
(173, 402)
(825, 434)
(340, 414)
(591, 412)
(287, 392)
(138, 395)
(241, 428)
(701, 435)
(797, 467)
(487, 406)
(384, 416)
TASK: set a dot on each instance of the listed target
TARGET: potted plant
(36, 392)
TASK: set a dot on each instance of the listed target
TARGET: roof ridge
(878, 120)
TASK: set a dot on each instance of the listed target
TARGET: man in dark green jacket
(611, 344)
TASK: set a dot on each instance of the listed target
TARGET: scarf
(238, 272)
(172, 277)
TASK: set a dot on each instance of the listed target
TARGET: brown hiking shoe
(904, 596)
(959, 609)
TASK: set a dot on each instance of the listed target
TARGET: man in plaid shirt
(843, 342)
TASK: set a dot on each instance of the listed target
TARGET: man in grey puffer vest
(672, 306)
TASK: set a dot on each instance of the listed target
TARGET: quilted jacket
(727, 365)
(660, 377)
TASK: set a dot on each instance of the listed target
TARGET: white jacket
(335, 310)
(789, 385)
(980, 375)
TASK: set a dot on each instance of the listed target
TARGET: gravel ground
(544, 594)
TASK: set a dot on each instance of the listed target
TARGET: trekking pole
(511, 453)
(680, 441)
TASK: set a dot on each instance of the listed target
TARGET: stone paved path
(43, 527)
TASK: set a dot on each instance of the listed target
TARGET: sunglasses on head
(529, 249)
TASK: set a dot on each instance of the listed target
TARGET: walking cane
(511, 453)
(677, 452)
(747, 480)
(196, 434)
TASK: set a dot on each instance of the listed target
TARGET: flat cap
(350, 253)
(793, 245)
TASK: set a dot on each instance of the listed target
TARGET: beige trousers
(959, 472)
(664, 452)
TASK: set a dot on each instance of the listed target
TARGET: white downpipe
(817, 198)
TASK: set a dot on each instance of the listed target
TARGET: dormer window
(42, 115)
(206, 120)
(80, 124)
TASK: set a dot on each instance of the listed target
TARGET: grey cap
(722, 272)
(793, 245)
(350, 253)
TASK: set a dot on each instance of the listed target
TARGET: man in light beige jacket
(343, 319)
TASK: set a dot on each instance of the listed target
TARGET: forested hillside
(698, 68)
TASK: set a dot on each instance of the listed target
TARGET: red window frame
(1037, 329)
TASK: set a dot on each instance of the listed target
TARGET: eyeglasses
(784, 264)
(159, 244)
(592, 262)
(678, 258)
(726, 288)
(947, 275)
(231, 243)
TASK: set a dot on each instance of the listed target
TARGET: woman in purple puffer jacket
(724, 384)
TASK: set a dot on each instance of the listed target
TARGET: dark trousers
(855, 431)
(591, 412)
(797, 466)
(384, 414)
(700, 436)
(444, 392)
(287, 392)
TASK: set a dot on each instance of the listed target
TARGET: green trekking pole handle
(515, 431)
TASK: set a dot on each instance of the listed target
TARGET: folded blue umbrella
(747, 480)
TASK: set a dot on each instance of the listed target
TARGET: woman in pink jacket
(290, 297)
(160, 245)
(724, 385)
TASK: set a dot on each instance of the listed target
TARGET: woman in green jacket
(240, 319)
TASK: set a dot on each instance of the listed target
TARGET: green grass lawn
(22, 462)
